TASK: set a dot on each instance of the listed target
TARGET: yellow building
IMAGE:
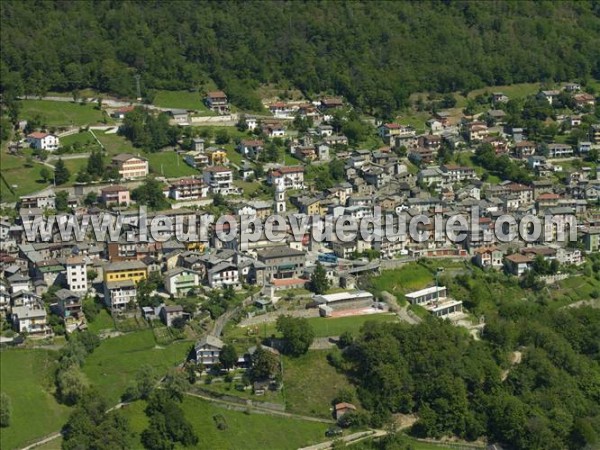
(218, 158)
(135, 271)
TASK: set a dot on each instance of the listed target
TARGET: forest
(374, 53)
(548, 399)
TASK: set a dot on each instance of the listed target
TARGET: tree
(45, 174)
(228, 357)
(297, 333)
(90, 426)
(5, 410)
(264, 364)
(222, 137)
(150, 193)
(72, 384)
(61, 201)
(318, 280)
(95, 164)
(90, 198)
(61, 173)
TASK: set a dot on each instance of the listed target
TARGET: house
(198, 144)
(489, 257)
(572, 87)
(282, 262)
(517, 263)
(499, 97)
(207, 350)
(549, 96)
(223, 274)
(45, 199)
(454, 174)
(188, 189)
(68, 304)
(130, 166)
(325, 130)
(43, 141)
(31, 319)
(591, 239)
(289, 177)
(584, 147)
(431, 176)
(76, 268)
(332, 103)
(584, 99)
(217, 101)
(179, 116)
(121, 112)
(434, 299)
(435, 126)
(477, 131)
(251, 122)
(524, 149)
(196, 158)
(343, 408)
(115, 195)
(119, 294)
(556, 150)
(179, 281)
(595, 133)
(168, 314)
(280, 109)
(135, 271)
(497, 115)
(422, 155)
(217, 156)
(251, 147)
(219, 180)
(273, 130)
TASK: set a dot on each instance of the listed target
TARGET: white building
(292, 177)
(219, 180)
(44, 141)
(76, 274)
(30, 319)
(434, 300)
(118, 294)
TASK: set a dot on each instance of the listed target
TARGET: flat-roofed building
(434, 299)
(343, 300)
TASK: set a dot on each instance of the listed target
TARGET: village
(228, 298)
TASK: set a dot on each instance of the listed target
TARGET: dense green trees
(90, 426)
(228, 357)
(150, 194)
(375, 54)
(149, 131)
(548, 399)
(297, 333)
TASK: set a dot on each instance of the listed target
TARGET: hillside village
(297, 158)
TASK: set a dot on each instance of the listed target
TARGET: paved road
(224, 318)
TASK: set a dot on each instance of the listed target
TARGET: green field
(310, 383)
(115, 144)
(322, 326)
(85, 138)
(251, 431)
(22, 180)
(102, 321)
(182, 100)
(26, 377)
(61, 114)
(409, 278)
(114, 363)
(575, 288)
(169, 164)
